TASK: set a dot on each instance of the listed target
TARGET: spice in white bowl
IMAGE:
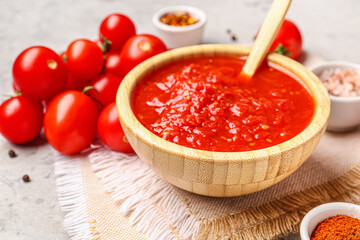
(176, 33)
(326, 212)
(178, 18)
(341, 83)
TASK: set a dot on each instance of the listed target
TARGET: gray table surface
(330, 28)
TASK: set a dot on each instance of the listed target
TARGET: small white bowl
(180, 36)
(345, 111)
(324, 211)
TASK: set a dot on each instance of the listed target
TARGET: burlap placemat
(159, 210)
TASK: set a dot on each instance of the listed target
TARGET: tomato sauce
(201, 103)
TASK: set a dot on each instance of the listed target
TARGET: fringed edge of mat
(283, 215)
(145, 207)
(71, 196)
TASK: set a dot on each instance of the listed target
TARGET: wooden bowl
(221, 174)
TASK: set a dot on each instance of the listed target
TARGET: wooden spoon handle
(266, 35)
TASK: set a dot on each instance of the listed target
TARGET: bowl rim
(334, 64)
(323, 208)
(127, 117)
(192, 10)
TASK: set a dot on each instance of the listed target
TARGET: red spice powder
(340, 227)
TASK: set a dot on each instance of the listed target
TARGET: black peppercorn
(26, 178)
(12, 153)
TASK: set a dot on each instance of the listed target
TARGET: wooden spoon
(265, 37)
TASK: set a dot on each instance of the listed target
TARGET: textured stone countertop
(330, 28)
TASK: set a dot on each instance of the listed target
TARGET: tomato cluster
(72, 94)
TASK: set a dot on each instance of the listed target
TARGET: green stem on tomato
(87, 88)
(64, 57)
(105, 44)
(17, 93)
(85, 91)
(282, 50)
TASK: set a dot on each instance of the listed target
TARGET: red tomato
(39, 73)
(84, 59)
(113, 65)
(70, 122)
(20, 119)
(288, 40)
(116, 28)
(15, 88)
(105, 88)
(74, 83)
(139, 48)
(110, 130)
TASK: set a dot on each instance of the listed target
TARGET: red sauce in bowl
(201, 103)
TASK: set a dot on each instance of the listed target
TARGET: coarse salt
(341, 83)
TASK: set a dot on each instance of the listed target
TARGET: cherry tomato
(20, 119)
(84, 59)
(113, 65)
(105, 88)
(39, 73)
(116, 29)
(110, 130)
(15, 87)
(70, 122)
(139, 48)
(288, 40)
(74, 83)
